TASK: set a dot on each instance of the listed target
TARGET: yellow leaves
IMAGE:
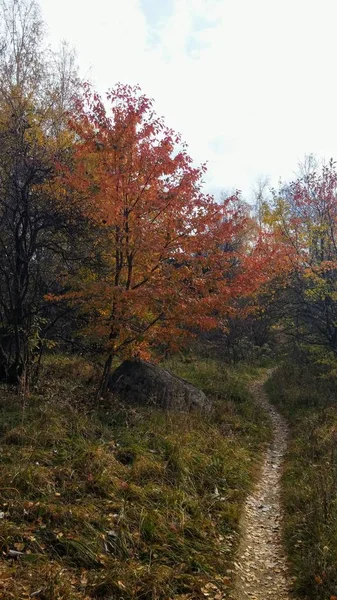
(121, 585)
(34, 135)
(318, 580)
(50, 344)
(211, 591)
(19, 547)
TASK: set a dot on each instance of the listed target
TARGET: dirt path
(261, 571)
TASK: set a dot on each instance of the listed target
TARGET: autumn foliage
(172, 259)
(141, 258)
(303, 222)
(109, 244)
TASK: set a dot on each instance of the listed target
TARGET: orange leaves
(167, 257)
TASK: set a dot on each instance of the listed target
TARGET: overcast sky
(250, 84)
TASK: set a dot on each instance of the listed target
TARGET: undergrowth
(306, 393)
(118, 502)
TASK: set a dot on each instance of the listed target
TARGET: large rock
(140, 382)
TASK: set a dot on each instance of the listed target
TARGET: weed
(121, 502)
(308, 397)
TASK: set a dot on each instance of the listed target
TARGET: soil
(261, 565)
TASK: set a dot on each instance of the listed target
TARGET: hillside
(113, 502)
(118, 249)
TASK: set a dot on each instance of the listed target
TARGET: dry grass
(307, 395)
(118, 502)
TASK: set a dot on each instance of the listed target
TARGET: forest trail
(261, 567)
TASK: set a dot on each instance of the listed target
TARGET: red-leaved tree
(171, 258)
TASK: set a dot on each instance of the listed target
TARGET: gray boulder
(139, 382)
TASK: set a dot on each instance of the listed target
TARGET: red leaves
(169, 254)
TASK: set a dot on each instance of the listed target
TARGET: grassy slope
(310, 479)
(120, 502)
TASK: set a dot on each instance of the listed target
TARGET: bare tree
(50, 79)
(22, 60)
(260, 196)
(36, 234)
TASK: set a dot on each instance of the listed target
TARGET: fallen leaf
(19, 547)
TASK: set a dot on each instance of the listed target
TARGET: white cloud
(257, 76)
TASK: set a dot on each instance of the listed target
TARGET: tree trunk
(103, 387)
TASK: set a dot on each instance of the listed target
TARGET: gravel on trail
(261, 566)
